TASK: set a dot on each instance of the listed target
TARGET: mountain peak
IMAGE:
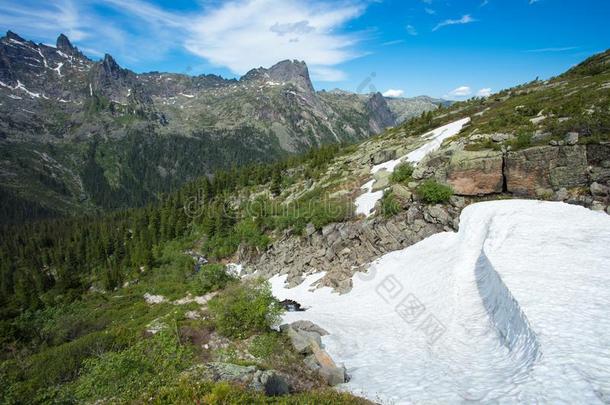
(11, 35)
(110, 65)
(293, 71)
(63, 43)
(286, 71)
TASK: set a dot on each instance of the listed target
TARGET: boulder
(270, 382)
(300, 342)
(333, 375)
(383, 156)
(562, 194)
(217, 371)
(436, 214)
(475, 172)
(308, 326)
(302, 339)
(571, 138)
(311, 362)
(401, 192)
(500, 137)
(599, 189)
(382, 180)
(598, 206)
(329, 371)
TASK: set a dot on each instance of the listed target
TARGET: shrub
(147, 365)
(522, 141)
(55, 365)
(223, 393)
(212, 277)
(244, 309)
(402, 173)
(389, 205)
(263, 346)
(432, 192)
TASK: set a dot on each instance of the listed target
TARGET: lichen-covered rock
(382, 180)
(383, 156)
(545, 167)
(401, 191)
(271, 382)
(476, 172)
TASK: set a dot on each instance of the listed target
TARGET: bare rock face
(380, 113)
(546, 167)
(476, 173)
(342, 249)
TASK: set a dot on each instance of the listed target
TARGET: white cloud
(429, 11)
(484, 92)
(534, 1)
(393, 93)
(249, 33)
(394, 42)
(542, 50)
(411, 30)
(237, 34)
(459, 92)
(464, 20)
(327, 74)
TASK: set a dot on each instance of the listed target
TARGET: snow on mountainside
(365, 203)
(512, 308)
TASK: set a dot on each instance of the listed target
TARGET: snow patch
(513, 308)
(366, 202)
(58, 68)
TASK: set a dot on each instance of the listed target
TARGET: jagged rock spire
(63, 43)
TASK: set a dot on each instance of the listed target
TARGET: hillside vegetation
(101, 308)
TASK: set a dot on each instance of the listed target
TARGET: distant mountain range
(78, 135)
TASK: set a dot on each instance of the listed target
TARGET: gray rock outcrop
(342, 249)
(306, 339)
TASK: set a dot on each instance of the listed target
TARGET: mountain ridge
(58, 103)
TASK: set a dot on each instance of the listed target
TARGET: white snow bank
(512, 308)
(366, 202)
(436, 138)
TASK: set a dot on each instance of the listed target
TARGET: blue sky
(443, 48)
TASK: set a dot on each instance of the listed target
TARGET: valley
(167, 238)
